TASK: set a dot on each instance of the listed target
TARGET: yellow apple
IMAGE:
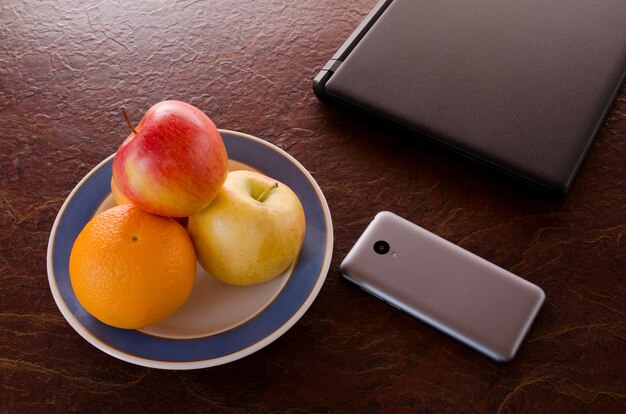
(251, 232)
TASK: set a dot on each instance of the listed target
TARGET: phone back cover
(454, 290)
(521, 85)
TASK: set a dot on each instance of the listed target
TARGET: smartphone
(444, 285)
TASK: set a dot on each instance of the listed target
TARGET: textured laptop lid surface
(521, 84)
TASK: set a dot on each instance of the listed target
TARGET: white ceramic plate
(219, 323)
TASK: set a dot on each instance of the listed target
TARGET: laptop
(520, 85)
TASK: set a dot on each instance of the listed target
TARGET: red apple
(174, 163)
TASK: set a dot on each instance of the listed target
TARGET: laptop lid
(520, 85)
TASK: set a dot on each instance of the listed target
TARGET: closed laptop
(521, 85)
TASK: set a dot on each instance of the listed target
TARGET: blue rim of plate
(287, 308)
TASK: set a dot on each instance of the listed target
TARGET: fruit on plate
(131, 269)
(117, 194)
(173, 163)
(251, 232)
(121, 199)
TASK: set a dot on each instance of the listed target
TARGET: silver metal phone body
(444, 285)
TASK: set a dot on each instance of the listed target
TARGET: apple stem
(265, 193)
(130, 124)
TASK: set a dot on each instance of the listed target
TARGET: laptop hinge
(332, 65)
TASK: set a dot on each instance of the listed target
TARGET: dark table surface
(66, 67)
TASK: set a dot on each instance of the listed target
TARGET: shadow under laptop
(379, 150)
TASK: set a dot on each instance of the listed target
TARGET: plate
(219, 323)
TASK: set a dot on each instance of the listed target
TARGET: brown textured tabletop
(66, 67)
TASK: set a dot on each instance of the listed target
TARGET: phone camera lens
(381, 247)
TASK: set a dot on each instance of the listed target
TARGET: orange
(131, 269)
